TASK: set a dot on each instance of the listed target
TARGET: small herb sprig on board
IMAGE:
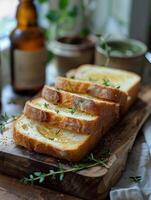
(107, 83)
(60, 172)
(46, 105)
(4, 120)
(136, 179)
(72, 110)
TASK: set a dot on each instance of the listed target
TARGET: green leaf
(60, 171)
(57, 111)
(72, 110)
(51, 171)
(63, 4)
(42, 178)
(58, 131)
(37, 173)
(31, 176)
(85, 32)
(136, 179)
(4, 120)
(53, 15)
(61, 176)
(4, 117)
(42, 1)
(50, 56)
(107, 83)
(73, 12)
(46, 105)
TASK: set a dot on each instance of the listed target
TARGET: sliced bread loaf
(108, 111)
(128, 82)
(63, 117)
(42, 137)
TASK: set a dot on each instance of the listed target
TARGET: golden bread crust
(108, 111)
(95, 90)
(77, 125)
(73, 155)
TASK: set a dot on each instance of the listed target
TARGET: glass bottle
(28, 53)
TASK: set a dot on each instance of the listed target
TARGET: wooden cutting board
(93, 183)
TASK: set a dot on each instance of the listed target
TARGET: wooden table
(12, 189)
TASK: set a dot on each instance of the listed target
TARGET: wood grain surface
(93, 183)
(12, 189)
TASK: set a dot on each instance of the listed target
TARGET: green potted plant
(70, 47)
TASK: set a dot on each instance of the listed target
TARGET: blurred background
(112, 19)
(130, 18)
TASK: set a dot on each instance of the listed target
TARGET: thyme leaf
(4, 120)
(106, 47)
(58, 131)
(136, 179)
(57, 111)
(108, 83)
(72, 110)
(46, 105)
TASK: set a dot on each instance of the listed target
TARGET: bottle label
(29, 68)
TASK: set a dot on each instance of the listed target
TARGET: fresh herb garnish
(136, 179)
(57, 111)
(46, 105)
(4, 120)
(58, 131)
(103, 42)
(72, 110)
(51, 138)
(118, 86)
(107, 83)
(60, 172)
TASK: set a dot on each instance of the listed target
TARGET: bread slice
(108, 111)
(93, 89)
(128, 82)
(82, 102)
(42, 137)
(67, 118)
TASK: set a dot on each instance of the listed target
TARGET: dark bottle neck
(26, 14)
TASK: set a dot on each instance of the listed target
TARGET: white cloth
(138, 164)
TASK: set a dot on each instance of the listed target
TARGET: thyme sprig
(4, 120)
(107, 83)
(103, 42)
(60, 172)
(136, 179)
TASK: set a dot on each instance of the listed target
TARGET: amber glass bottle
(28, 54)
